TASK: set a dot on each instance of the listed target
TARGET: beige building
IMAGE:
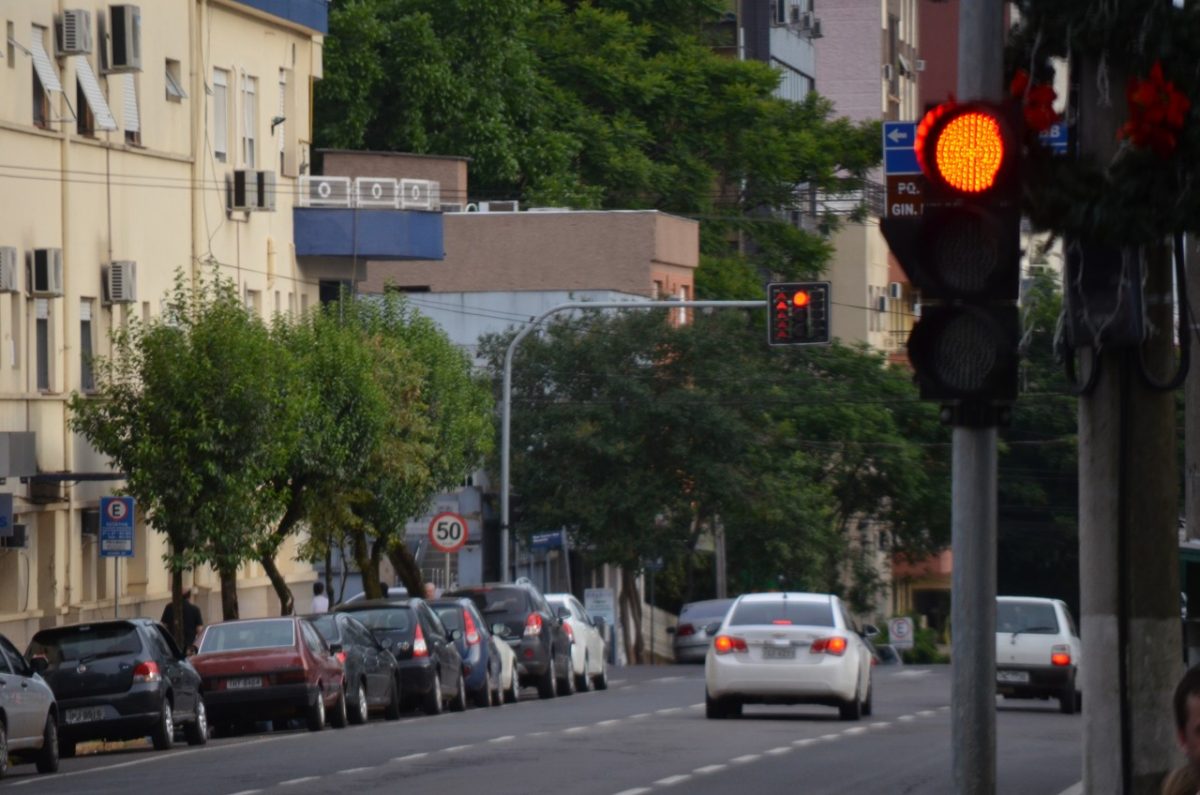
(125, 132)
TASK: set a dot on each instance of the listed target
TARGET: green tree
(187, 408)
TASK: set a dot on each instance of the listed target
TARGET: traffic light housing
(799, 313)
(963, 253)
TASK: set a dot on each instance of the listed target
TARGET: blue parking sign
(116, 527)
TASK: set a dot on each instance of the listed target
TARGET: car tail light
(724, 644)
(470, 630)
(1060, 655)
(419, 647)
(292, 676)
(835, 646)
(146, 672)
(684, 630)
(341, 655)
(533, 625)
(784, 622)
(570, 632)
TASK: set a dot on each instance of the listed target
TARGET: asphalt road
(646, 734)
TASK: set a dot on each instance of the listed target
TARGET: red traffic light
(800, 298)
(968, 148)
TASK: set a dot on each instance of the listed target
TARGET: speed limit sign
(447, 532)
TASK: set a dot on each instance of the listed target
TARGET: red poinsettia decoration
(1156, 112)
(1037, 102)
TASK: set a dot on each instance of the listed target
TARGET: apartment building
(135, 141)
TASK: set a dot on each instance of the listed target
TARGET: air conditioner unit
(119, 279)
(499, 207)
(125, 38)
(74, 32)
(325, 191)
(896, 290)
(417, 194)
(883, 304)
(376, 192)
(815, 31)
(264, 194)
(8, 270)
(45, 272)
(18, 540)
(919, 65)
(243, 190)
(803, 18)
(889, 72)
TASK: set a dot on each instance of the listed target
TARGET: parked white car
(788, 648)
(1037, 651)
(510, 685)
(28, 725)
(588, 648)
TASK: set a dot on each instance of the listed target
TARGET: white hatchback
(588, 648)
(1037, 651)
(788, 648)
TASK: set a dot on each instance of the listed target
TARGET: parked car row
(124, 679)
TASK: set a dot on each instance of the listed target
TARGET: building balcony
(376, 218)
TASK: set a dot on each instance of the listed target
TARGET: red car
(270, 668)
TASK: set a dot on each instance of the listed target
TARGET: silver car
(28, 713)
(691, 639)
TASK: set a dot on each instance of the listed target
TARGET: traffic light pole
(506, 396)
(973, 493)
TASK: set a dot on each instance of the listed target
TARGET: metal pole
(973, 610)
(116, 586)
(506, 397)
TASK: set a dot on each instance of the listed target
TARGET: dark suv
(119, 680)
(519, 615)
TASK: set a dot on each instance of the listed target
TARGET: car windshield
(327, 625)
(698, 611)
(390, 619)
(501, 603)
(240, 635)
(783, 611)
(1035, 618)
(85, 642)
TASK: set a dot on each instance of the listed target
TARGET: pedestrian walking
(320, 602)
(1186, 779)
(193, 620)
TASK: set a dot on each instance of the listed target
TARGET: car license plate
(245, 683)
(1013, 677)
(85, 715)
(779, 653)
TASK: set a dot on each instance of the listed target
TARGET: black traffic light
(963, 253)
(799, 313)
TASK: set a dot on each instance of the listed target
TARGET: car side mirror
(500, 630)
(335, 648)
(600, 625)
(563, 612)
(40, 665)
(713, 628)
(870, 630)
(455, 634)
(670, 630)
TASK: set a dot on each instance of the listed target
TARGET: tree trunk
(631, 616)
(177, 605)
(229, 598)
(363, 557)
(287, 603)
(329, 567)
(402, 560)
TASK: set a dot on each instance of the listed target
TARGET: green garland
(1141, 195)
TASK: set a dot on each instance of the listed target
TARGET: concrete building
(133, 140)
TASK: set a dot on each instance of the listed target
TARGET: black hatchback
(372, 673)
(119, 680)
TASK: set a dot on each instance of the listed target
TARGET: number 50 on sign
(447, 532)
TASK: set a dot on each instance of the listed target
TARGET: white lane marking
(783, 749)
(350, 771)
(907, 717)
(671, 780)
(855, 730)
(741, 760)
(696, 706)
(828, 737)
(667, 679)
(639, 715)
(703, 771)
(574, 729)
(912, 674)
(879, 724)
(503, 739)
(302, 780)
(248, 792)
(608, 722)
(617, 681)
(669, 710)
(804, 742)
(1074, 789)
(410, 757)
(454, 748)
(634, 791)
(925, 713)
(538, 734)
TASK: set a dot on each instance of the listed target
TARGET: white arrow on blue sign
(899, 156)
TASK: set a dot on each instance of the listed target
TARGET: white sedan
(588, 648)
(788, 648)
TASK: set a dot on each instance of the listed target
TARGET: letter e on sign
(447, 532)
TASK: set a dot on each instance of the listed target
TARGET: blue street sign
(116, 527)
(545, 541)
(899, 156)
(6, 515)
(1055, 139)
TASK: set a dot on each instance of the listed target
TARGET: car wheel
(1066, 700)
(548, 683)
(314, 716)
(583, 682)
(66, 748)
(339, 719)
(164, 731)
(47, 758)
(566, 685)
(721, 708)
(852, 709)
(459, 702)
(3, 750)
(432, 703)
(392, 712)
(867, 706)
(483, 696)
(196, 732)
(513, 694)
(360, 711)
(601, 680)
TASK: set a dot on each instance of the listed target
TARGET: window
(174, 75)
(250, 112)
(131, 117)
(893, 53)
(87, 377)
(41, 308)
(254, 302)
(281, 127)
(85, 120)
(18, 303)
(657, 292)
(91, 108)
(11, 52)
(220, 141)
